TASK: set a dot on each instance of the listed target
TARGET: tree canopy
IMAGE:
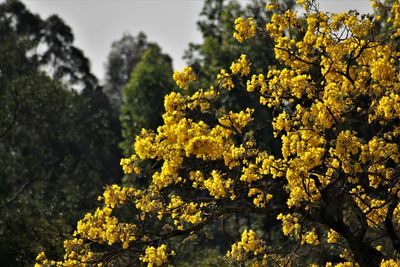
(56, 147)
(51, 45)
(218, 48)
(332, 187)
(125, 54)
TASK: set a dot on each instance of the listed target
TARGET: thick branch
(334, 201)
(389, 225)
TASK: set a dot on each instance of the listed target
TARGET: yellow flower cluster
(175, 104)
(100, 227)
(310, 238)
(375, 153)
(375, 209)
(182, 212)
(302, 151)
(105, 229)
(180, 137)
(156, 256)
(114, 195)
(395, 19)
(232, 157)
(332, 237)
(257, 81)
(347, 146)
(281, 123)
(42, 261)
(282, 85)
(237, 121)
(245, 29)
(290, 225)
(241, 66)
(261, 198)
(386, 109)
(396, 213)
(184, 77)
(129, 165)
(225, 80)
(342, 264)
(202, 99)
(390, 263)
(147, 202)
(249, 245)
(72, 256)
(217, 186)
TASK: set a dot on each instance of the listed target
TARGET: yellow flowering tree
(333, 187)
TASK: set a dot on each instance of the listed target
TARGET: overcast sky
(170, 23)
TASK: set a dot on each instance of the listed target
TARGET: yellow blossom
(184, 77)
(245, 29)
(241, 66)
(249, 244)
(156, 256)
(225, 80)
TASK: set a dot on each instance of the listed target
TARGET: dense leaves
(56, 146)
(125, 54)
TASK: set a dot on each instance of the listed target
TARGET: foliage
(56, 148)
(122, 59)
(217, 23)
(51, 44)
(219, 49)
(333, 186)
(143, 96)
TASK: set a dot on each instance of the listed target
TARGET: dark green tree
(56, 146)
(52, 47)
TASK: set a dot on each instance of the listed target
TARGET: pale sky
(170, 23)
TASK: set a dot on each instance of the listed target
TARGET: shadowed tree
(122, 59)
(50, 135)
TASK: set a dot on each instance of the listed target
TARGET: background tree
(144, 95)
(57, 55)
(50, 135)
(123, 57)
